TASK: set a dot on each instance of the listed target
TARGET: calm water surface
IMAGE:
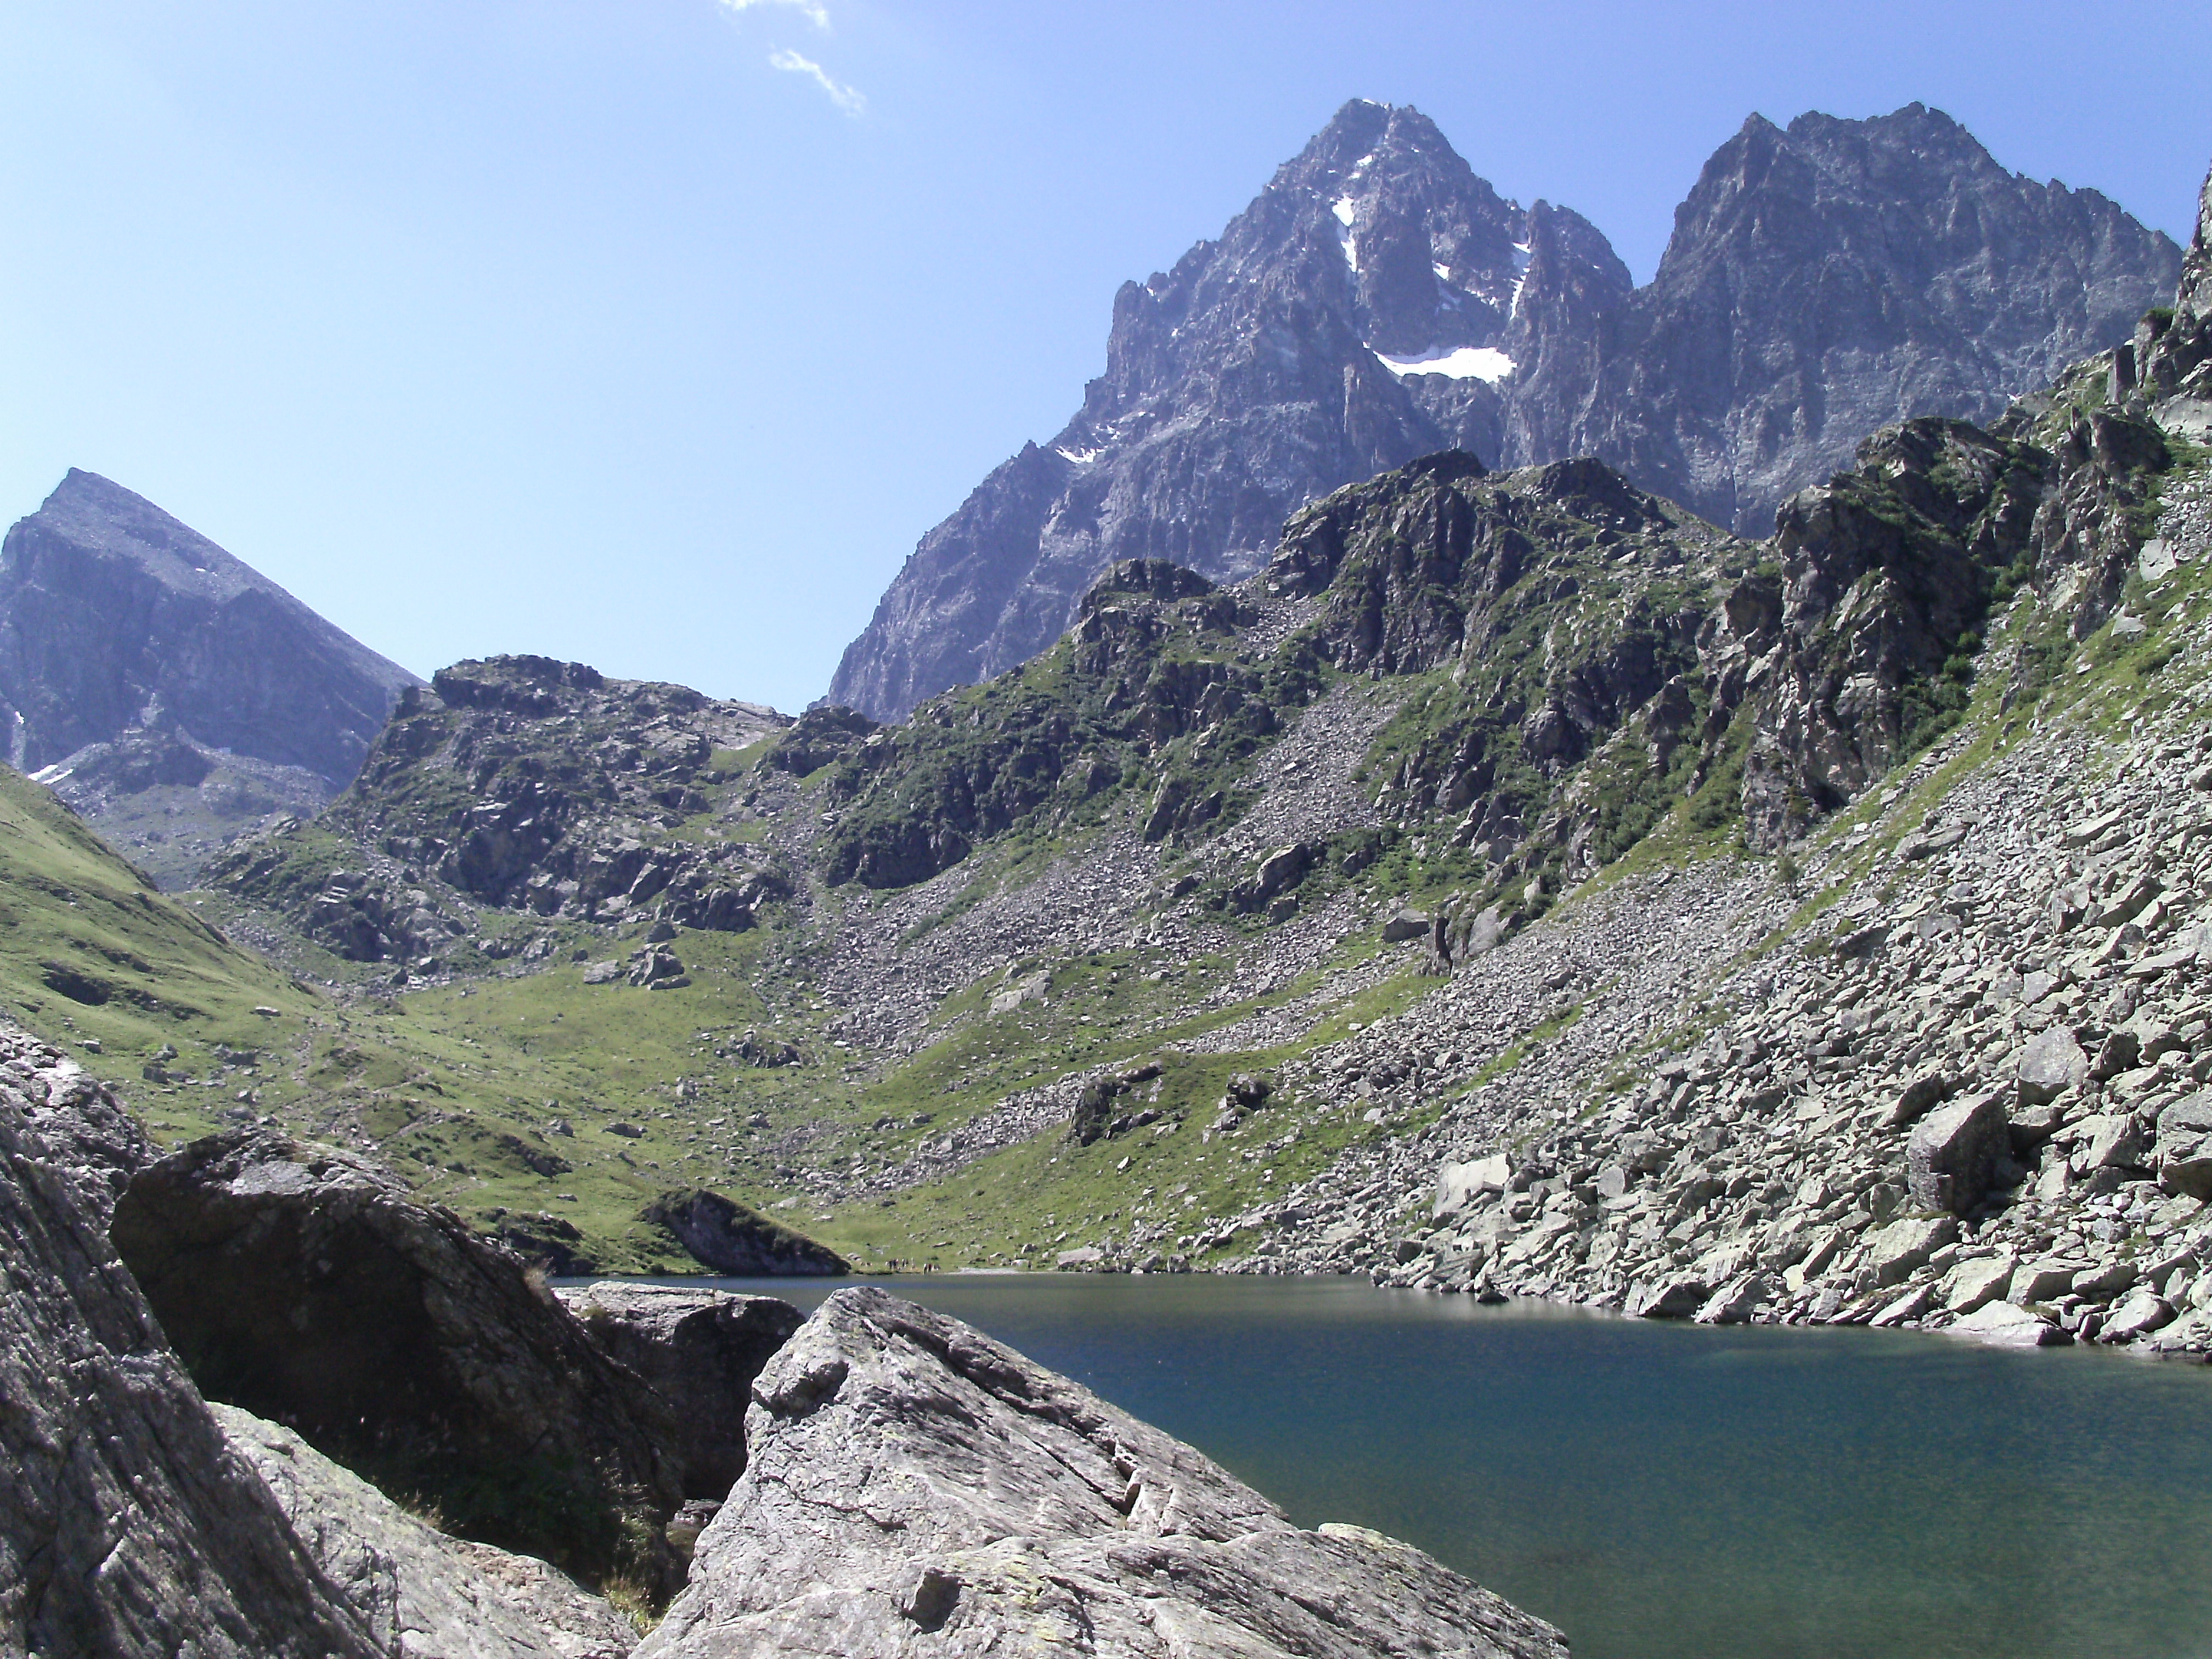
(1669, 1492)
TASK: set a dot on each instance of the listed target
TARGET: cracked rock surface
(915, 1488)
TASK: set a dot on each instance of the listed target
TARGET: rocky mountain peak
(1360, 312)
(1379, 302)
(97, 513)
(137, 656)
(1835, 276)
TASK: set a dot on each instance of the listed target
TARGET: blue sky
(654, 332)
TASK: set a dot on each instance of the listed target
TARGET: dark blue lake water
(1667, 1492)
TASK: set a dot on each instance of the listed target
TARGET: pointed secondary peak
(99, 513)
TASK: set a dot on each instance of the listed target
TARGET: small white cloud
(812, 10)
(847, 98)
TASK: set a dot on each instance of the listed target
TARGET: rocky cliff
(127, 1524)
(303, 1284)
(529, 786)
(1378, 301)
(1835, 277)
(423, 1594)
(165, 688)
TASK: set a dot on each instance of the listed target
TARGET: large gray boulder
(126, 1524)
(701, 1350)
(307, 1285)
(917, 1488)
(2184, 1146)
(422, 1594)
(1953, 1154)
(2051, 1063)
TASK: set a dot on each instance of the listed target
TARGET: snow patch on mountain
(1486, 363)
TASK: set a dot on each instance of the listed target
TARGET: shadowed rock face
(701, 1350)
(915, 1488)
(727, 1238)
(126, 1524)
(421, 1591)
(1822, 281)
(304, 1285)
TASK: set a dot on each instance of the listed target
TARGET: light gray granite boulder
(916, 1488)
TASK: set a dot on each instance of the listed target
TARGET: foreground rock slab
(916, 1488)
(126, 1524)
(424, 1595)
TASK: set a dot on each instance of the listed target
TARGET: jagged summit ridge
(1378, 301)
(1358, 313)
(1835, 277)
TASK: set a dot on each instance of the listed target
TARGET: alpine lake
(1663, 1491)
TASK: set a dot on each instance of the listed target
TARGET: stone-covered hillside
(172, 694)
(1378, 301)
(1145, 883)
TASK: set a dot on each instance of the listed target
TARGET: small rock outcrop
(915, 1486)
(701, 1350)
(530, 785)
(304, 1284)
(422, 1594)
(126, 1524)
(728, 1237)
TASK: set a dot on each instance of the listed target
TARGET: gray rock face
(424, 1595)
(1952, 1155)
(917, 1488)
(2169, 361)
(126, 1525)
(527, 784)
(133, 650)
(89, 1138)
(701, 1350)
(1840, 276)
(1248, 380)
(304, 1284)
(1378, 301)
